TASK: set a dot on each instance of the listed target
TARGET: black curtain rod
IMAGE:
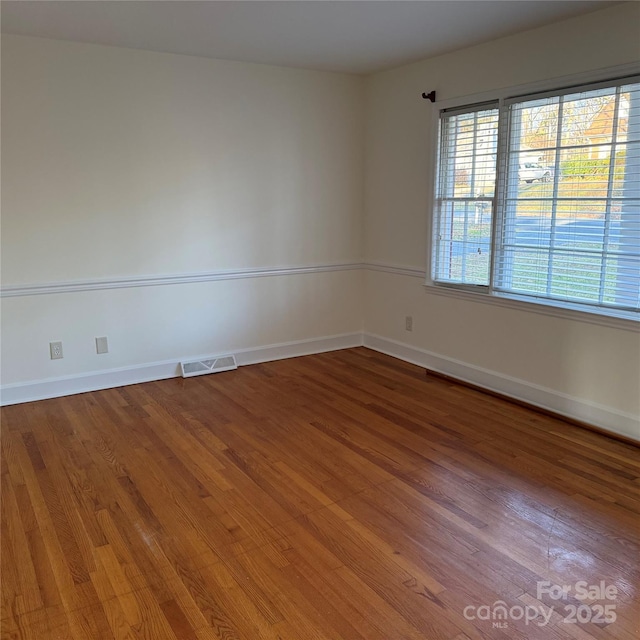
(430, 96)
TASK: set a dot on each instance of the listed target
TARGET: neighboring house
(600, 132)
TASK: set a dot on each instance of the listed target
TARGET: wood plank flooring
(338, 496)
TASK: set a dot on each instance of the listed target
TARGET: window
(538, 198)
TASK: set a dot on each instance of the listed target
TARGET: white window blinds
(570, 228)
(465, 195)
(564, 224)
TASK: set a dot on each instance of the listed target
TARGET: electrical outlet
(408, 323)
(102, 346)
(55, 349)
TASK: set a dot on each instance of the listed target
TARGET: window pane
(585, 173)
(575, 276)
(464, 242)
(526, 270)
(539, 122)
(466, 188)
(535, 176)
(570, 228)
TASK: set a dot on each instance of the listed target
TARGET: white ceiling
(359, 36)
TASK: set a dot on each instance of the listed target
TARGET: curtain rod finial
(430, 96)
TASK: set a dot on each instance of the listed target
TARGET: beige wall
(591, 363)
(119, 163)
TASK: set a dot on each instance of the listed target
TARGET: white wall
(119, 164)
(125, 164)
(585, 369)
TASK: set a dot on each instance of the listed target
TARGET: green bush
(586, 166)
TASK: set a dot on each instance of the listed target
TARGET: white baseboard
(601, 416)
(607, 418)
(297, 348)
(97, 380)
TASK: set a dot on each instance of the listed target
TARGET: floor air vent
(211, 365)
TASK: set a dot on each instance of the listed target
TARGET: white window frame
(482, 294)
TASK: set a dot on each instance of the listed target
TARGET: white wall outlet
(408, 323)
(55, 349)
(102, 346)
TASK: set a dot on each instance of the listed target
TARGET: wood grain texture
(336, 496)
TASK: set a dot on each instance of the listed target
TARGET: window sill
(547, 308)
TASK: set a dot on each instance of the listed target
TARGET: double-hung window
(538, 198)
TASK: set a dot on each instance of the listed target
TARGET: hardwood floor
(343, 495)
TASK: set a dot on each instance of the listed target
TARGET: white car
(530, 171)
